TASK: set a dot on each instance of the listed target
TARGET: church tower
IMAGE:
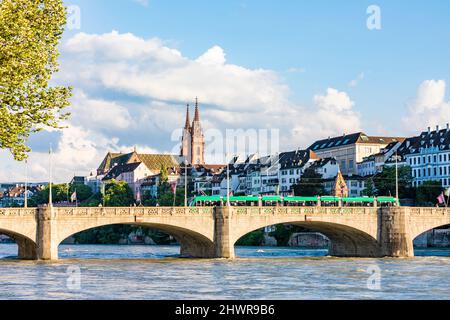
(193, 140)
(197, 139)
(186, 142)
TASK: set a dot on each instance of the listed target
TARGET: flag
(447, 192)
(138, 195)
(73, 197)
(441, 198)
(173, 185)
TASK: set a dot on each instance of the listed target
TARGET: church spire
(197, 112)
(188, 120)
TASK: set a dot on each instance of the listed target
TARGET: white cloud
(98, 113)
(132, 91)
(147, 68)
(429, 108)
(214, 56)
(333, 114)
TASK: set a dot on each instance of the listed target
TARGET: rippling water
(156, 272)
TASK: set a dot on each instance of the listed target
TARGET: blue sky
(310, 69)
(327, 39)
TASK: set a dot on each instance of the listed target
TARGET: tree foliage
(30, 31)
(310, 184)
(385, 182)
(118, 194)
(60, 193)
(370, 190)
(427, 193)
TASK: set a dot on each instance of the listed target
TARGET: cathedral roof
(119, 169)
(197, 111)
(153, 162)
(188, 121)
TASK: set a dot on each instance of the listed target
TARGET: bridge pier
(27, 249)
(191, 247)
(47, 242)
(395, 238)
(224, 244)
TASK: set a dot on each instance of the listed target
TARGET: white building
(328, 168)
(291, 168)
(351, 149)
(374, 164)
(133, 174)
(429, 156)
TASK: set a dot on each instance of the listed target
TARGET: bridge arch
(345, 241)
(193, 244)
(426, 219)
(21, 225)
(27, 247)
(193, 228)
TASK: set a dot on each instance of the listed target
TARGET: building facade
(429, 157)
(351, 149)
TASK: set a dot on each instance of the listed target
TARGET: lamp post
(26, 184)
(185, 183)
(50, 196)
(228, 181)
(228, 185)
(396, 179)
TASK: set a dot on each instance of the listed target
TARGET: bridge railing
(132, 211)
(18, 212)
(304, 210)
(428, 211)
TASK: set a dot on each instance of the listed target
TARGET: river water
(156, 272)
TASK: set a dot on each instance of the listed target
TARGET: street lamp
(185, 183)
(228, 182)
(26, 184)
(228, 185)
(50, 196)
(396, 178)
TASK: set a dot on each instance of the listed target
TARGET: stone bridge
(205, 232)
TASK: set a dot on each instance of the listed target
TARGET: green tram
(291, 201)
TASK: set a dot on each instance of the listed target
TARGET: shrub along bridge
(207, 232)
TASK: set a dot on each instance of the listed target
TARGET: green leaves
(30, 31)
(118, 194)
